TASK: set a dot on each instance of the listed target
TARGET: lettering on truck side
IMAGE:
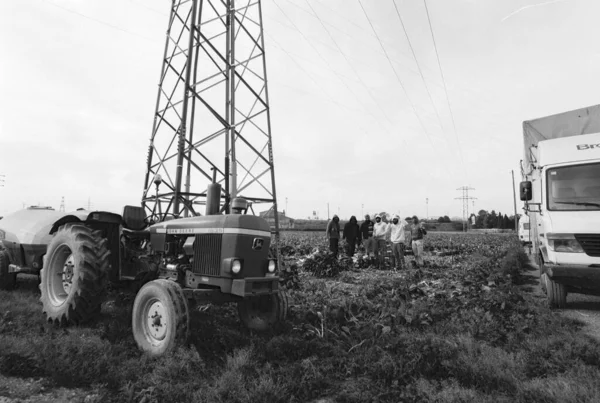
(587, 146)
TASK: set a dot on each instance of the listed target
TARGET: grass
(354, 338)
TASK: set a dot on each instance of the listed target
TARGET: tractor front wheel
(74, 275)
(7, 280)
(160, 317)
(262, 312)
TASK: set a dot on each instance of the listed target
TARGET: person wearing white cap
(397, 237)
(380, 230)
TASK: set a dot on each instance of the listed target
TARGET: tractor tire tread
(90, 278)
(181, 315)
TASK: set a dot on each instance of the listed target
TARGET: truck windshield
(574, 187)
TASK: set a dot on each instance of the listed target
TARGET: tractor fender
(89, 218)
(64, 220)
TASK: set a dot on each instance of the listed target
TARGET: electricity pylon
(465, 199)
(212, 118)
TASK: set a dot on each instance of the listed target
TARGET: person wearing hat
(333, 234)
(380, 230)
(397, 237)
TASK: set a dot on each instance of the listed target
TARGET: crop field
(459, 329)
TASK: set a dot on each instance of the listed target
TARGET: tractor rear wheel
(74, 275)
(7, 280)
(160, 317)
(262, 312)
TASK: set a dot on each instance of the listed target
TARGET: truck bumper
(581, 276)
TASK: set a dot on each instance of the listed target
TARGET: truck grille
(207, 254)
(590, 243)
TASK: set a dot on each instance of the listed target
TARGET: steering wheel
(154, 218)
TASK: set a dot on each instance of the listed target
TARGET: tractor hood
(33, 226)
(212, 224)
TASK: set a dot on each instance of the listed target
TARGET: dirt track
(585, 308)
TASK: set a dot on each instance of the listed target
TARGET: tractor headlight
(236, 266)
(565, 243)
(272, 266)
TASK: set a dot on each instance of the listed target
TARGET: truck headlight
(272, 266)
(565, 243)
(236, 266)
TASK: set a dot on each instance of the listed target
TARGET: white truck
(524, 229)
(561, 191)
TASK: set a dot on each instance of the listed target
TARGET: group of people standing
(376, 235)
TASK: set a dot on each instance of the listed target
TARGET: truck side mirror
(525, 190)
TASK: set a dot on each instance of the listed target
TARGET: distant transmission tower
(465, 199)
(62, 204)
(212, 117)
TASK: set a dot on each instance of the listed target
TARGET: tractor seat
(133, 218)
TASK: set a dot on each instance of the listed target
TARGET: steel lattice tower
(465, 202)
(212, 116)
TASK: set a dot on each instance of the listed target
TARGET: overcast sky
(78, 83)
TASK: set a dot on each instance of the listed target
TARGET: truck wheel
(74, 275)
(261, 312)
(160, 317)
(7, 280)
(557, 293)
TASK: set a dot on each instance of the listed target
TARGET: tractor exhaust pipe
(213, 196)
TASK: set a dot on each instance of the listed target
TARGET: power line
(445, 90)
(351, 67)
(310, 76)
(397, 76)
(319, 53)
(100, 21)
(355, 39)
(418, 65)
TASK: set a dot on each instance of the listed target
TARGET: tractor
(218, 258)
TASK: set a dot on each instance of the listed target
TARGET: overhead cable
(397, 76)
(446, 91)
(418, 65)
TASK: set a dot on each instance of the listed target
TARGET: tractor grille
(590, 243)
(207, 254)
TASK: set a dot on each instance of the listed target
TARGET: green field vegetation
(458, 330)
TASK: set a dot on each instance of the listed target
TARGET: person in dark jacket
(351, 235)
(333, 234)
(366, 234)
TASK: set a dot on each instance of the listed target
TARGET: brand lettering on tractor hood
(189, 231)
(587, 146)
